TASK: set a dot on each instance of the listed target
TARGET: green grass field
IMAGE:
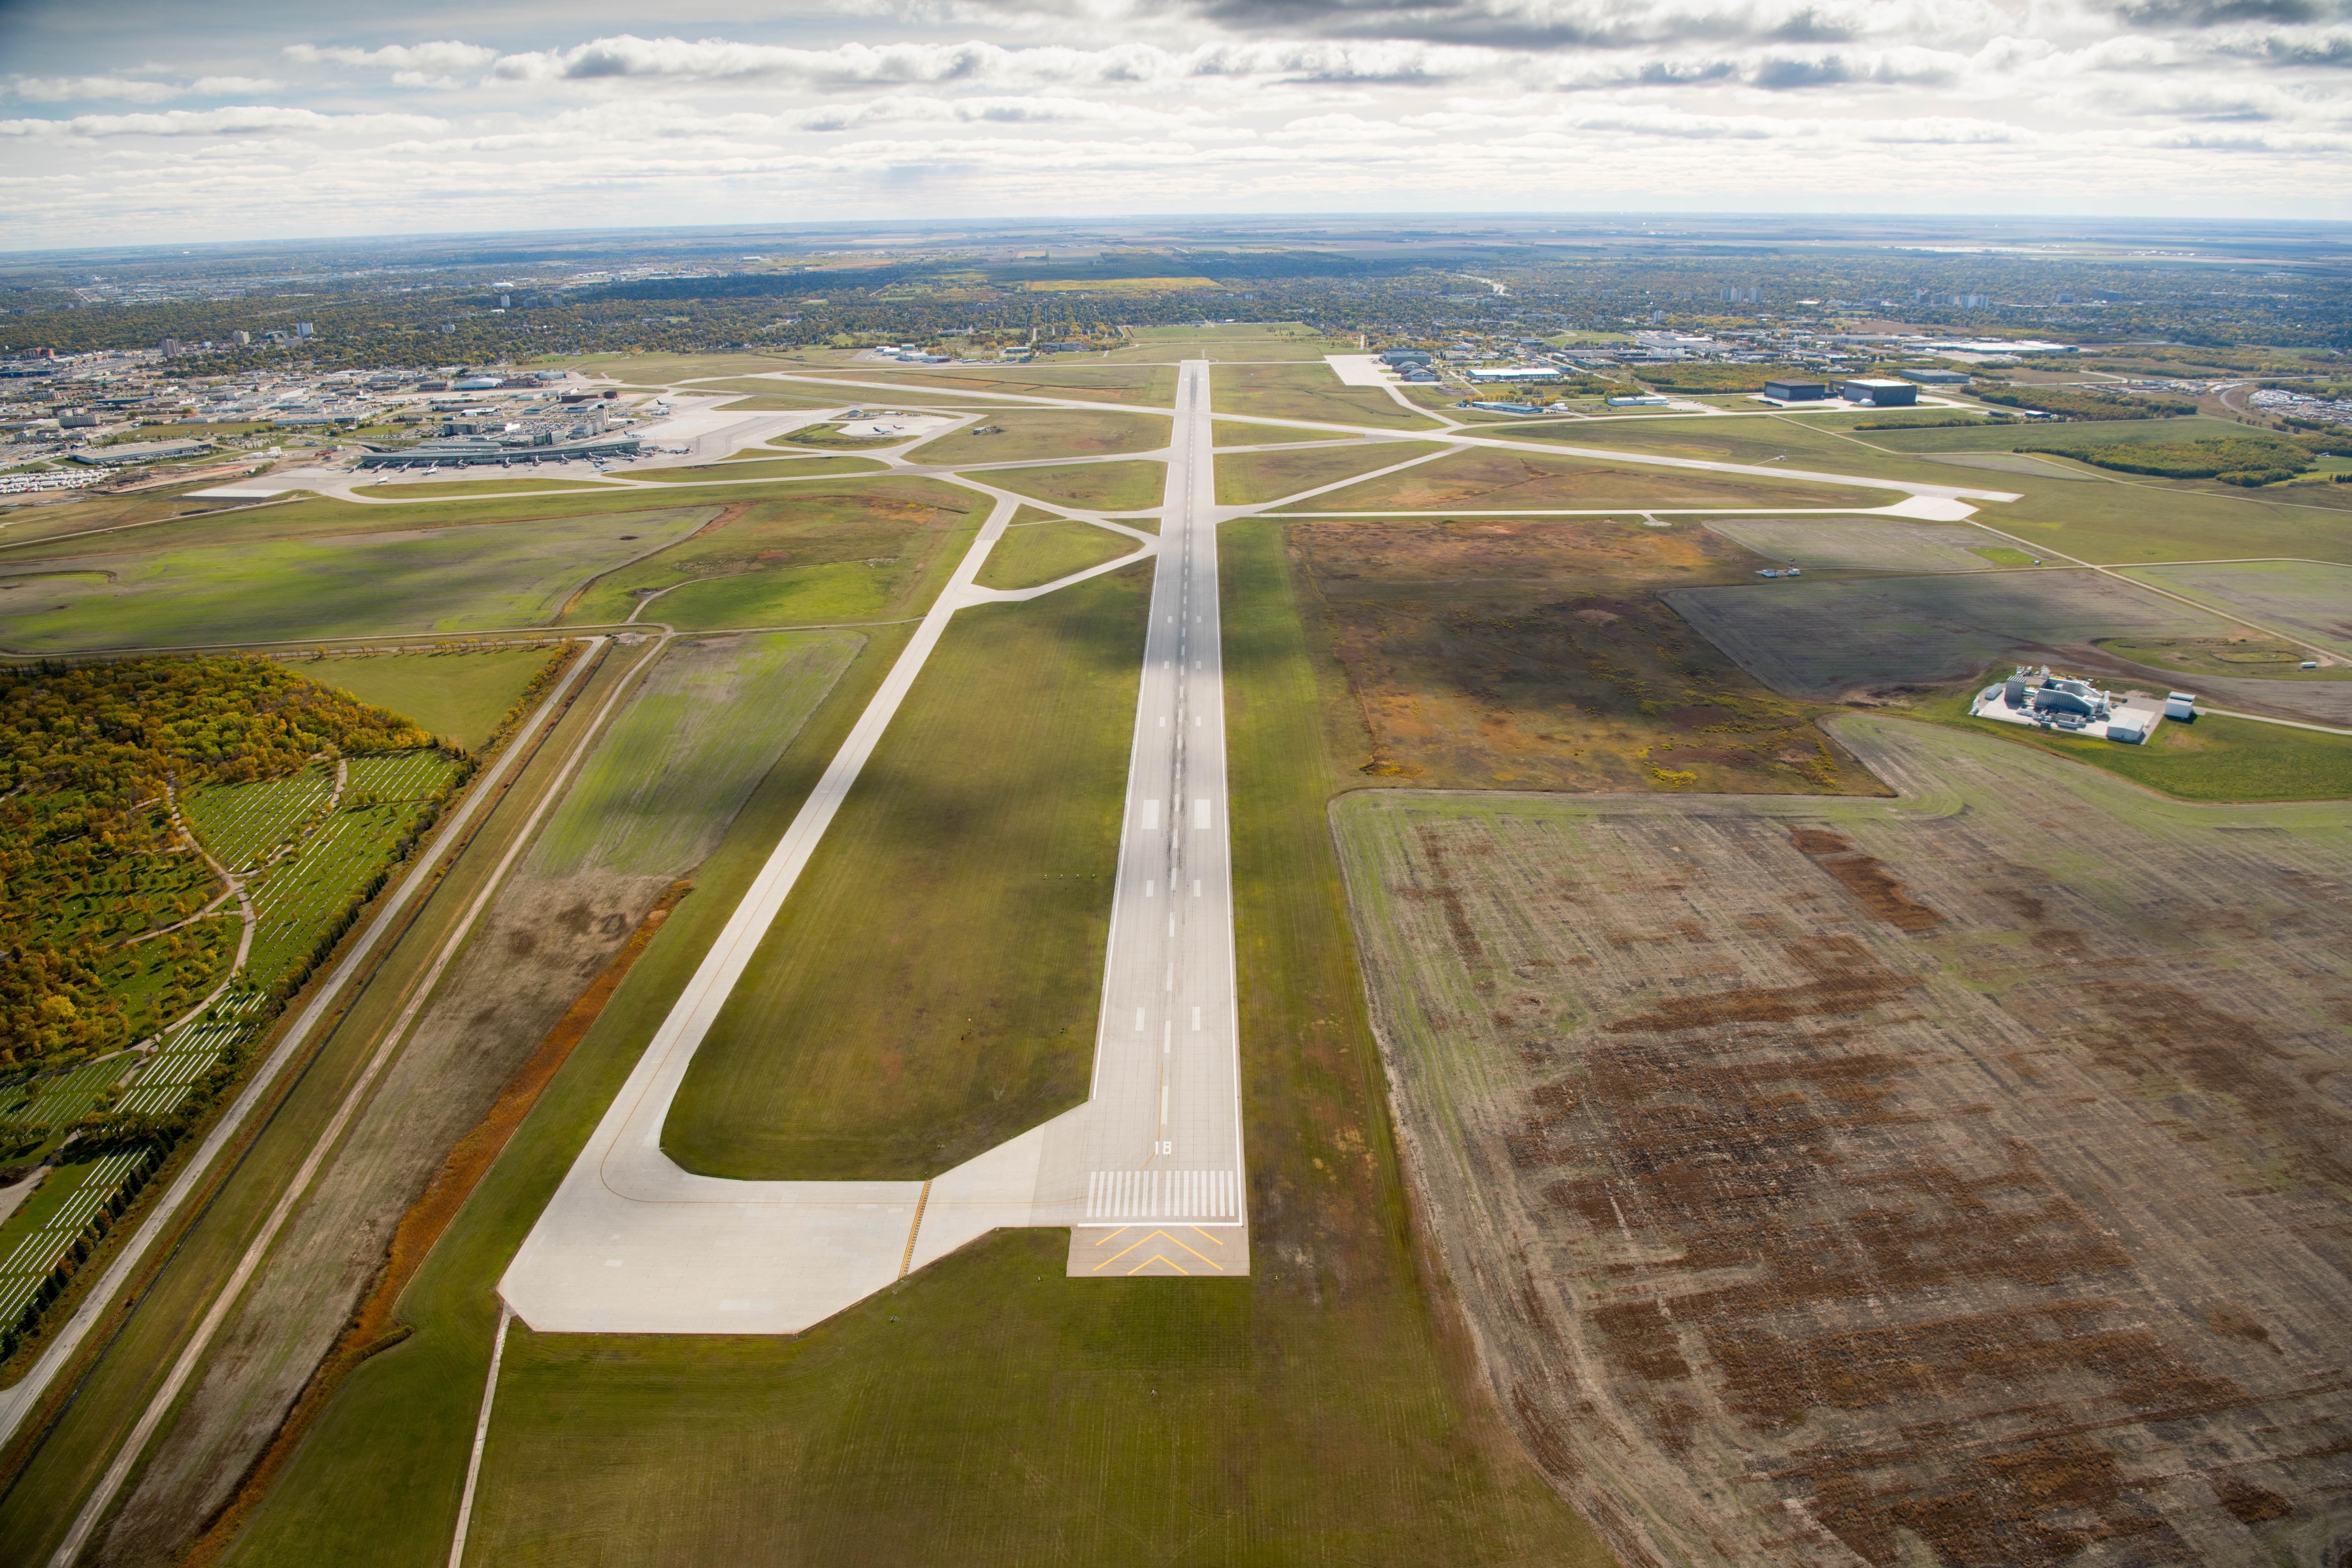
(708, 722)
(1092, 487)
(1022, 434)
(428, 490)
(1090, 380)
(1241, 340)
(810, 554)
(1308, 392)
(1248, 479)
(1237, 433)
(462, 695)
(1038, 553)
(477, 578)
(930, 989)
(770, 403)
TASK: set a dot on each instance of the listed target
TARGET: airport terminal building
(478, 451)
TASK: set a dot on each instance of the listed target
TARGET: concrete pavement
(1149, 1173)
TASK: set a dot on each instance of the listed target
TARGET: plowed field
(1965, 1182)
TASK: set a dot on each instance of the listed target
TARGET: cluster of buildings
(89, 412)
(2302, 405)
(1868, 392)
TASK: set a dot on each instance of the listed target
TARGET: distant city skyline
(146, 123)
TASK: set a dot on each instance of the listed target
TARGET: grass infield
(1096, 487)
(930, 989)
(1039, 553)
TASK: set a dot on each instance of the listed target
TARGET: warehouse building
(1880, 394)
(1797, 391)
(1491, 374)
(1935, 378)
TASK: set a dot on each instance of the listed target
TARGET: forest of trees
(88, 854)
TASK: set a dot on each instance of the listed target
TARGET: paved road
(1147, 1173)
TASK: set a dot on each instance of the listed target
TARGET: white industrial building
(2064, 703)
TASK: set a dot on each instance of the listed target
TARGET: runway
(1149, 1173)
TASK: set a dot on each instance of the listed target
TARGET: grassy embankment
(1022, 434)
(1308, 392)
(49, 1470)
(1327, 1409)
(862, 552)
(930, 989)
(1038, 553)
(1093, 486)
(1248, 479)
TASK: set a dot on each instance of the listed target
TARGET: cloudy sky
(132, 120)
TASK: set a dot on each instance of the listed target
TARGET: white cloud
(894, 107)
(245, 120)
(443, 63)
(75, 89)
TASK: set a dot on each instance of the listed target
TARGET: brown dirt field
(1538, 654)
(1489, 480)
(372, 1329)
(1963, 1181)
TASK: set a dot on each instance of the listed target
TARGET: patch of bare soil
(1539, 656)
(372, 1329)
(1973, 1190)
